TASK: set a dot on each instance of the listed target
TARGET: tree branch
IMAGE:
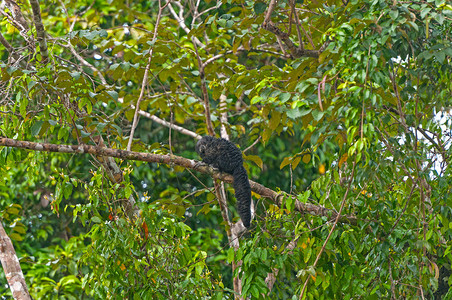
(265, 192)
(11, 267)
(205, 95)
(5, 43)
(16, 12)
(9, 48)
(295, 51)
(146, 75)
(40, 31)
(165, 123)
(180, 20)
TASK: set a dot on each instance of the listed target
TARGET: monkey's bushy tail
(242, 194)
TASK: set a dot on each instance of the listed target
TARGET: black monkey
(226, 157)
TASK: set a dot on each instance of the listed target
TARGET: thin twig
(146, 75)
(181, 21)
(165, 123)
(252, 145)
(297, 24)
(332, 228)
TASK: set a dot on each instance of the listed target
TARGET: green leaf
(67, 191)
(16, 237)
(275, 120)
(284, 97)
(96, 219)
(394, 13)
(63, 133)
(317, 114)
(113, 94)
(69, 280)
(23, 104)
(36, 128)
(425, 11)
(75, 75)
(230, 255)
(259, 7)
(290, 203)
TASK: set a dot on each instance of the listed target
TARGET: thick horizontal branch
(265, 192)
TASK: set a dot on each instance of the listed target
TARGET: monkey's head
(203, 144)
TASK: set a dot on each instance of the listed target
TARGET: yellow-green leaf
(295, 162)
(256, 159)
(306, 158)
(275, 120)
(285, 162)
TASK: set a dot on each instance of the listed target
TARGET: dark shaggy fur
(226, 157)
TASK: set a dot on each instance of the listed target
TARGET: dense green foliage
(355, 113)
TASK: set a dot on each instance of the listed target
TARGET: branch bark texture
(40, 31)
(11, 267)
